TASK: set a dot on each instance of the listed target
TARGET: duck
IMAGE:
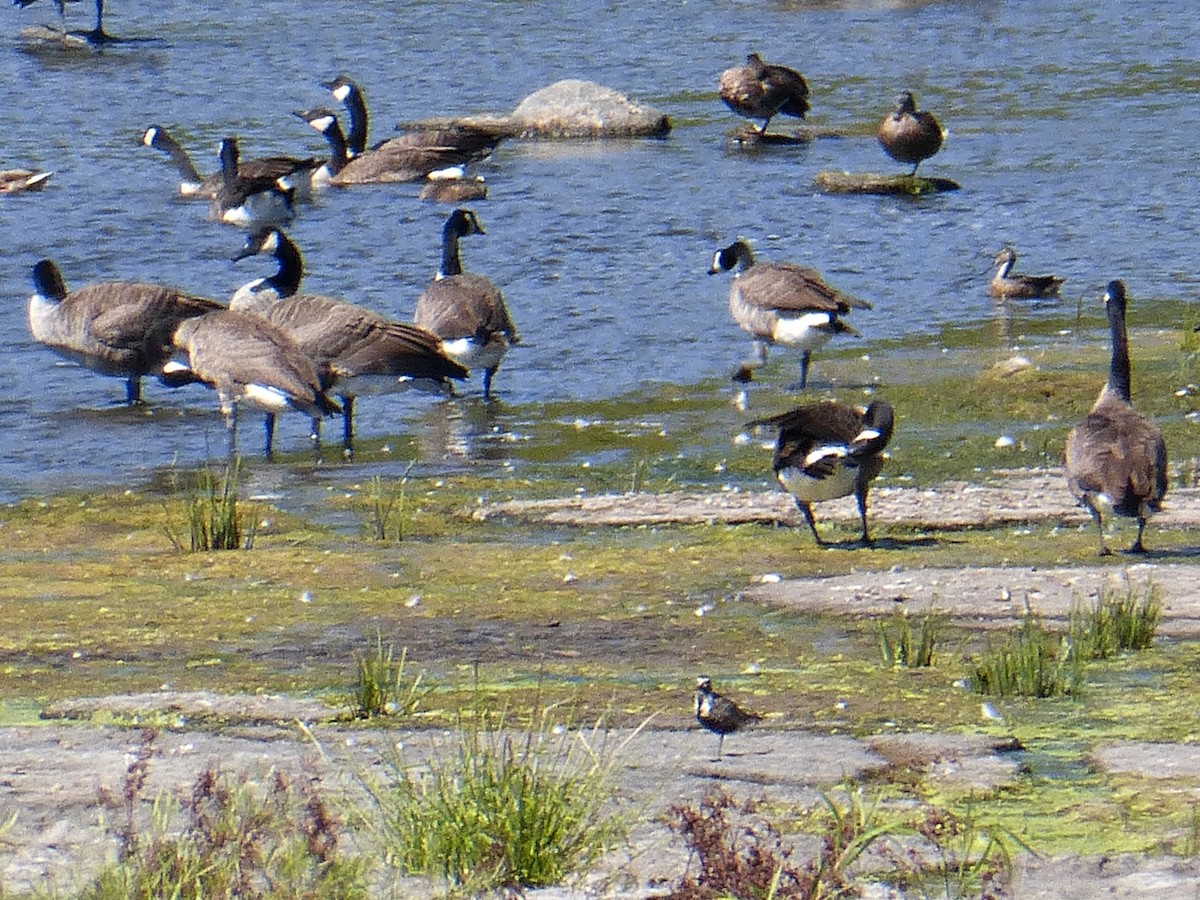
(16, 181)
(909, 135)
(781, 303)
(758, 90)
(829, 450)
(249, 361)
(719, 714)
(357, 351)
(95, 36)
(121, 329)
(390, 163)
(193, 185)
(466, 311)
(454, 188)
(1005, 284)
(249, 201)
(1116, 458)
(475, 142)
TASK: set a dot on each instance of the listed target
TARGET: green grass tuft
(1032, 662)
(901, 647)
(506, 809)
(383, 686)
(1115, 622)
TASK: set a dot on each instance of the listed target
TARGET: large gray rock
(574, 108)
(568, 109)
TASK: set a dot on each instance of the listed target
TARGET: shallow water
(1071, 129)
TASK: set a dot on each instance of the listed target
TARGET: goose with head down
(829, 450)
(117, 328)
(357, 351)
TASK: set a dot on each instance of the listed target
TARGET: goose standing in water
(299, 172)
(96, 35)
(1116, 458)
(466, 311)
(1005, 284)
(718, 713)
(909, 135)
(250, 202)
(118, 328)
(357, 351)
(781, 303)
(830, 450)
(761, 91)
(247, 360)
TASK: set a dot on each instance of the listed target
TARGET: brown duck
(909, 135)
(1005, 284)
(761, 91)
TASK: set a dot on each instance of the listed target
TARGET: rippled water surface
(1072, 129)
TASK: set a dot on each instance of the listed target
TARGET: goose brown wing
(463, 306)
(269, 168)
(351, 340)
(1119, 452)
(790, 287)
(133, 317)
(234, 348)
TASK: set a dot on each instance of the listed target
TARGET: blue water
(1072, 130)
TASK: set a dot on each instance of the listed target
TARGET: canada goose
(760, 91)
(205, 187)
(908, 135)
(392, 162)
(1116, 458)
(118, 328)
(830, 450)
(247, 201)
(16, 181)
(781, 303)
(1005, 284)
(719, 714)
(96, 35)
(357, 351)
(466, 311)
(473, 142)
(246, 359)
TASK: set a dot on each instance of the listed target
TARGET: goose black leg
(269, 427)
(812, 523)
(347, 426)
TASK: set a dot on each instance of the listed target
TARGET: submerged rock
(869, 183)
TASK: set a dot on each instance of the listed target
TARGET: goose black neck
(451, 261)
(48, 280)
(286, 280)
(357, 107)
(338, 154)
(1119, 375)
(229, 162)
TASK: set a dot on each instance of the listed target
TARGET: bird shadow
(881, 544)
